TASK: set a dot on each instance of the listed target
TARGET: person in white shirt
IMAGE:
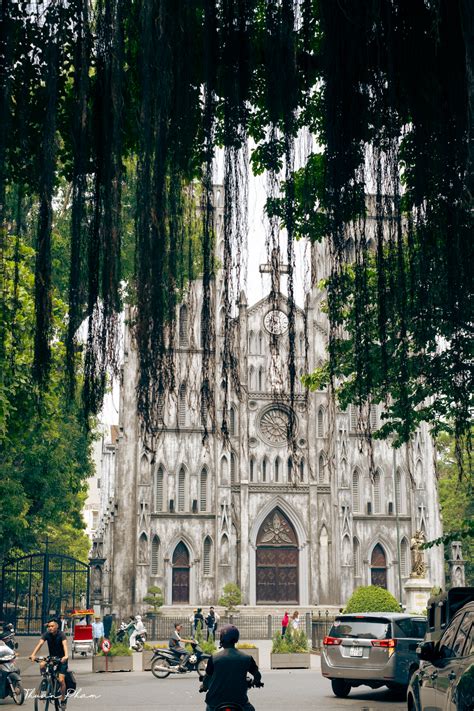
(97, 632)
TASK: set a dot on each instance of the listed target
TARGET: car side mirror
(426, 651)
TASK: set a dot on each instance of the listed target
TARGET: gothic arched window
(252, 379)
(159, 485)
(183, 327)
(224, 471)
(203, 490)
(399, 492)
(144, 469)
(233, 469)
(155, 555)
(320, 422)
(290, 469)
(355, 491)
(356, 557)
(353, 416)
(207, 556)
(302, 470)
(322, 468)
(251, 343)
(182, 405)
(378, 567)
(260, 342)
(261, 379)
(232, 428)
(301, 341)
(143, 548)
(378, 493)
(405, 557)
(277, 469)
(373, 417)
(224, 550)
(252, 469)
(264, 469)
(182, 489)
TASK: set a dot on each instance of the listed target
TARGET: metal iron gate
(36, 587)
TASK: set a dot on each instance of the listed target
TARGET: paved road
(296, 690)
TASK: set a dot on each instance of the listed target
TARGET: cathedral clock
(276, 322)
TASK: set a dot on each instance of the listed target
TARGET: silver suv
(372, 649)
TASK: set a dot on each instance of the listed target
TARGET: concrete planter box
(114, 664)
(147, 655)
(250, 652)
(295, 660)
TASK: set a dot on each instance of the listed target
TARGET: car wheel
(340, 688)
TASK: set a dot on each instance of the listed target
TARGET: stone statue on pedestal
(418, 567)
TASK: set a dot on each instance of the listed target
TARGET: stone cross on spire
(275, 267)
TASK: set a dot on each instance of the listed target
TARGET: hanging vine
(384, 89)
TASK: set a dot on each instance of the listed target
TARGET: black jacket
(226, 677)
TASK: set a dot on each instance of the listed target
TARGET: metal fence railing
(250, 626)
(320, 626)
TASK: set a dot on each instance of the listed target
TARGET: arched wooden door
(277, 561)
(378, 567)
(180, 582)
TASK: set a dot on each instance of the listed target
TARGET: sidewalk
(83, 665)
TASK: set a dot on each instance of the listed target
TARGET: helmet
(229, 635)
(138, 617)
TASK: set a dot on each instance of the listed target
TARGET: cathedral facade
(300, 527)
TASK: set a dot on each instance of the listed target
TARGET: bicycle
(49, 690)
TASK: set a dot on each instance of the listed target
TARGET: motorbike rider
(138, 628)
(176, 645)
(226, 673)
(57, 647)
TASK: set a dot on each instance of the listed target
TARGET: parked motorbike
(8, 635)
(231, 706)
(165, 662)
(10, 681)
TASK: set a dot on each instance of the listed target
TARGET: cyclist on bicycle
(57, 647)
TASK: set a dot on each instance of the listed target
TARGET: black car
(445, 678)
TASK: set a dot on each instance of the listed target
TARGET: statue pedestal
(417, 592)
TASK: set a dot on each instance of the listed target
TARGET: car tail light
(387, 643)
(331, 641)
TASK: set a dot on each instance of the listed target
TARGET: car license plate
(356, 652)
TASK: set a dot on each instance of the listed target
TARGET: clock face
(276, 322)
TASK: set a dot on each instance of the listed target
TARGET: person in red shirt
(284, 624)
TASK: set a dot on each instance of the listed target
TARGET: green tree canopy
(384, 88)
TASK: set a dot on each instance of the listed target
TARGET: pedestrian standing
(97, 633)
(284, 623)
(295, 620)
(62, 622)
(198, 621)
(211, 622)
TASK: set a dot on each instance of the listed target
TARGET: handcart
(82, 642)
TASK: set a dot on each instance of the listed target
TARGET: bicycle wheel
(41, 694)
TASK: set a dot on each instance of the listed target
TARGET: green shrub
(245, 645)
(292, 642)
(208, 646)
(231, 596)
(113, 634)
(372, 599)
(118, 650)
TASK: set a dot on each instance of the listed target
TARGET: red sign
(105, 646)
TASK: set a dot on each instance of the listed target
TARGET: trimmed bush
(231, 596)
(118, 650)
(372, 599)
(292, 642)
(245, 645)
